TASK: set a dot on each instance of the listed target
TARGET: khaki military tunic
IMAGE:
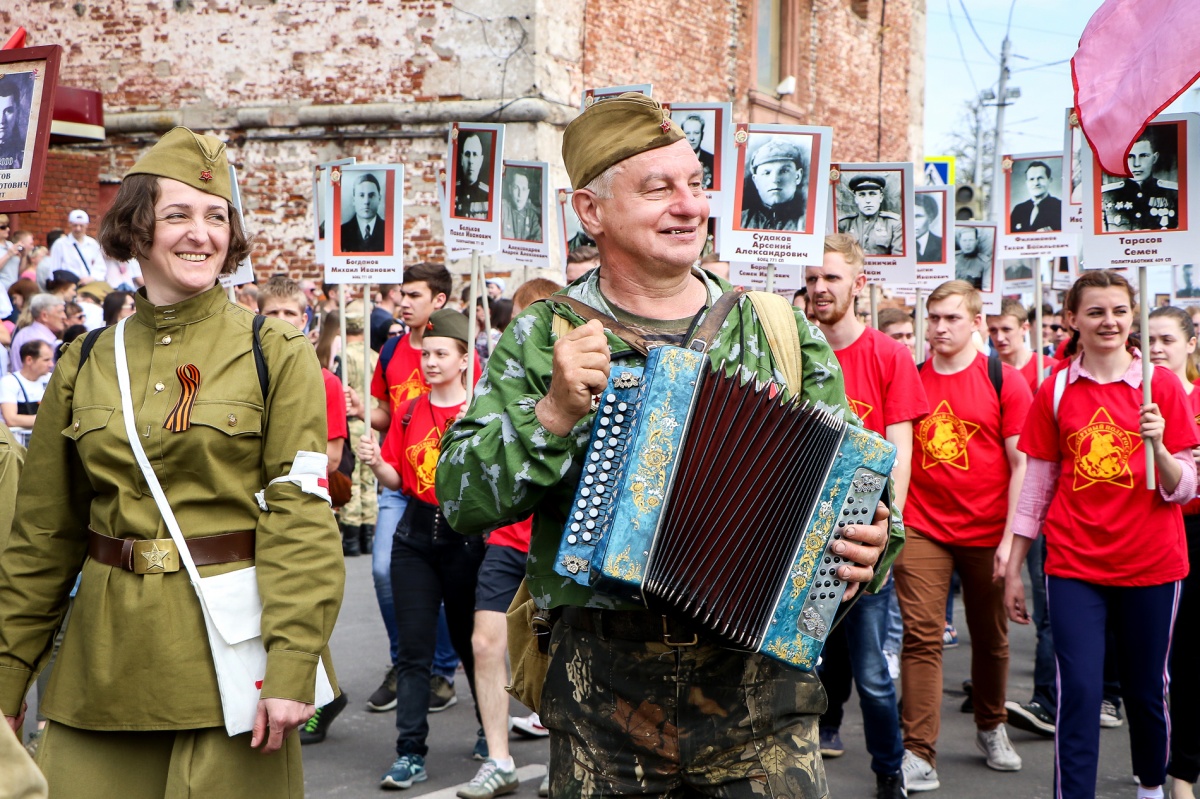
(882, 234)
(136, 654)
(12, 455)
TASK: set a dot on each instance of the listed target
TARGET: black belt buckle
(669, 639)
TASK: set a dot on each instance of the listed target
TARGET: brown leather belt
(630, 625)
(160, 555)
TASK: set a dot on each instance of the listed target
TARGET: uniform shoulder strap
(85, 350)
(260, 364)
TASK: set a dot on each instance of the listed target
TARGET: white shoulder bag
(230, 602)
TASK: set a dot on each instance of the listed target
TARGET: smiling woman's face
(191, 240)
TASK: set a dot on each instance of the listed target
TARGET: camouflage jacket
(499, 464)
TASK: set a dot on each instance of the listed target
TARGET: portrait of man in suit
(1042, 211)
(925, 217)
(365, 232)
(693, 129)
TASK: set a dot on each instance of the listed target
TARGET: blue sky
(1042, 32)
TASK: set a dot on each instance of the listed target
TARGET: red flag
(1134, 58)
(16, 41)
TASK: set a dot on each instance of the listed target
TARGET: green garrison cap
(192, 158)
(614, 129)
(446, 323)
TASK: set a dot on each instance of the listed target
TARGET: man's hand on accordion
(579, 372)
(863, 549)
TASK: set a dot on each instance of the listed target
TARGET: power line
(1042, 66)
(1031, 29)
(962, 52)
(977, 36)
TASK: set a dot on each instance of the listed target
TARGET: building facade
(290, 83)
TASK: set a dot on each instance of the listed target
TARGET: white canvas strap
(185, 555)
(1060, 386)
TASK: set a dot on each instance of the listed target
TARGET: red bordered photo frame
(36, 72)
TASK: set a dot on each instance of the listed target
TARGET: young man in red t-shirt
(966, 475)
(1008, 331)
(885, 391)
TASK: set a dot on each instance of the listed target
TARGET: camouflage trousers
(363, 507)
(632, 718)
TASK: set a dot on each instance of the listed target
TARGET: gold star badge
(944, 437)
(155, 558)
(1102, 451)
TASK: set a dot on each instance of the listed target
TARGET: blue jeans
(391, 508)
(863, 631)
(1045, 690)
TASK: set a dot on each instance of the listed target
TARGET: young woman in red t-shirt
(431, 564)
(1115, 551)
(1173, 345)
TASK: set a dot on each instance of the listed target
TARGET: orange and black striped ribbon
(180, 418)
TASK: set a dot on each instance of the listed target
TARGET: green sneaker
(490, 781)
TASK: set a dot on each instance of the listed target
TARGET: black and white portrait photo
(1150, 199)
(364, 222)
(930, 224)
(1019, 269)
(974, 255)
(472, 171)
(16, 91)
(521, 214)
(1031, 184)
(869, 209)
(1187, 282)
(698, 129)
(774, 191)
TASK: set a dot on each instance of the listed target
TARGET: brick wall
(72, 181)
(250, 70)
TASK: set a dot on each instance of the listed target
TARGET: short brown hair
(531, 291)
(958, 288)
(282, 287)
(1093, 279)
(436, 276)
(848, 247)
(582, 254)
(893, 316)
(1016, 310)
(127, 230)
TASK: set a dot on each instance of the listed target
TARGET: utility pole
(977, 178)
(1002, 98)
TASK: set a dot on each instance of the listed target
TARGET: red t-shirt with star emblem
(1029, 371)
(881, 381)
(958, 494)
(414, 454)
(1103, 526)
(403, 380)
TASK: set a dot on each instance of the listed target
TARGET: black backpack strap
(409, 409)
(89, 341)
(260, 363)
(996, 374)
(385, 356)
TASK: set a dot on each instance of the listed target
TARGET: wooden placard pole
(1038, 344)
(341, 290)
(770, 277)
(1147, 367)
(874, 306)
(919, 327)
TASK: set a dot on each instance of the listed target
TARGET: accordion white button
(572, 539)
(585, 492)
(611, 398)
(581, 504)
(616, 431)
(587, 537)
(619, 418)
(621, 406)
(603, 421)
(608, 408)
(609, 453)
(592, 512)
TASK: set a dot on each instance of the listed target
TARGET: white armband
(309, 471)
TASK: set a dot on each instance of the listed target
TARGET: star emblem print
(155, 557)
(206, 175)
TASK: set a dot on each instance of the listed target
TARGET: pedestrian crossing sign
(939, 170)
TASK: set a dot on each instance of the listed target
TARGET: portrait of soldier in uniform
(693, 129)
(521, 215)
(1149, 200)
(974, 248)
(878, 232)
(472, 194)
(925, 219)
(14, 117)
(365, 230)
(774, 191)
(1185, 286)
(1020, 269)
(1041, 210)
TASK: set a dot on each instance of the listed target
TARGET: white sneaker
(1110, 716)
(529, 726)
(918, 774)
(998, 749)
(893, 664)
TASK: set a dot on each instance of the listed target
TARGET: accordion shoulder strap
(611, 325)
(779, 323)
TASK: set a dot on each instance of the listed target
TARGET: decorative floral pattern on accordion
(648, 483)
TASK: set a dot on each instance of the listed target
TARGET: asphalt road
(360, 745)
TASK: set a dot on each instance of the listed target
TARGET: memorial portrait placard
(365, 211)
(28, 77)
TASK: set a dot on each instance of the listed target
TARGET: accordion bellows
(708, 496)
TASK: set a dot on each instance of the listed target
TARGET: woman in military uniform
(133, 702)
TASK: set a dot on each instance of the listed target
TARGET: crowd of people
(1002, 470)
